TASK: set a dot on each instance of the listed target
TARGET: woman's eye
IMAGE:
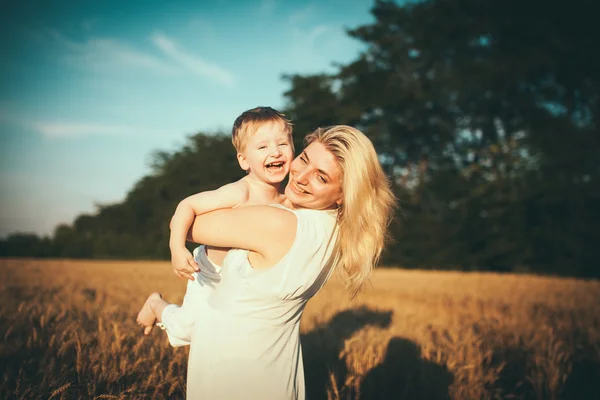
(302, 159)
(321, 179)
(262, 147)
(283, 144)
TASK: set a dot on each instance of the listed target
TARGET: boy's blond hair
(249, 121)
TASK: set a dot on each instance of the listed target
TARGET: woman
(246, 343)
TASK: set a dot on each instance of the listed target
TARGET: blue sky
(88, 89)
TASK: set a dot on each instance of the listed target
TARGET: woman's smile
(296, 188)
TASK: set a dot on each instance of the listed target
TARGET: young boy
(262, 138)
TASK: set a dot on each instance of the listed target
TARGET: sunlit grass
(67, 330)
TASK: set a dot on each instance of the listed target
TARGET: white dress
(178, 321)
(246, 341)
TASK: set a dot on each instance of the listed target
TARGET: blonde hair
(367, 203)
(249, 121)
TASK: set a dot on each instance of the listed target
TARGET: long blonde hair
(367, 203)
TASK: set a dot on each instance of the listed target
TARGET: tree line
(484, 114)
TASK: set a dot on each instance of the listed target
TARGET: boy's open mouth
(275, 166)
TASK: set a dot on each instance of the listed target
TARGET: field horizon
(68, 331)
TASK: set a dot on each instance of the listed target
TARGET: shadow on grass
(404, 374)
(584, 380)
(512, 379)
(524, 376)
(322, 346)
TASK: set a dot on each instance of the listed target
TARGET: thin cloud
(267, 7)
(302, 15)
(114, 55)
(313, 40)
(191, 62)
(317, 31)
(69, 129)
(76, 129)
(306, 41)
(200, 26)
(89, 24)
(304, 37)
(104, 53)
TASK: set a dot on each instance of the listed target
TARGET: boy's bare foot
(147, 317)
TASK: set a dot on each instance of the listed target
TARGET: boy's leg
(179, 322)
(151, 312)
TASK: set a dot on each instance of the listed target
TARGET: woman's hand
(183, 263)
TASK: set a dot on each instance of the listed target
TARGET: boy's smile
(275, 166)
(268, 153)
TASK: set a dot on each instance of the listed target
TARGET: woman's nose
(302, 176)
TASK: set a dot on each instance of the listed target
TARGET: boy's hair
(249, 121)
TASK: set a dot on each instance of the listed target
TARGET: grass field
(67, 330)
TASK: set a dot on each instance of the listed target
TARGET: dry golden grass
(67, 330)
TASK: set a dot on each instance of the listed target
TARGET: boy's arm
(227, 196)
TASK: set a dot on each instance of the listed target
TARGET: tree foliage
(485, 115)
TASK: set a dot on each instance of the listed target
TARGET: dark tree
(485, 115)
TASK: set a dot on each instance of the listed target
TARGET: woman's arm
(266, 230)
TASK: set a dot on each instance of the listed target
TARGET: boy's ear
(242, 161)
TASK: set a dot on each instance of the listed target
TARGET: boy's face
(268, 153)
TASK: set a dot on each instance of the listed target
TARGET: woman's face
(315, 179)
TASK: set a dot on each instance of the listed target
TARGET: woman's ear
(242, 161)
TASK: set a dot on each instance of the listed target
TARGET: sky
(89, 89)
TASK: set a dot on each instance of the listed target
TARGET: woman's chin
(292, 196)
